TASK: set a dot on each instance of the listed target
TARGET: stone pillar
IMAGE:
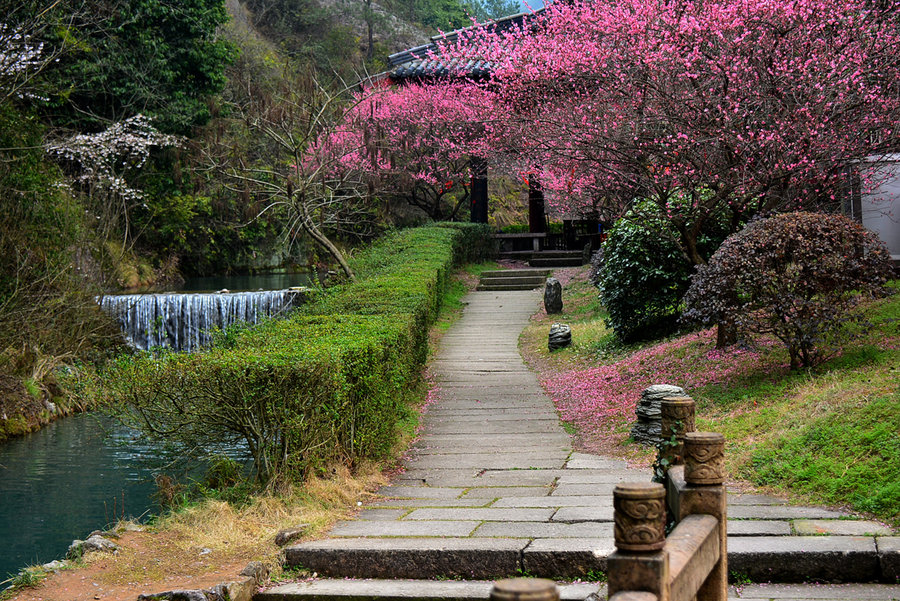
(537, 223)
(639, 562)
(704, 493)
(479, 213)
(677, 418)
(525, 589)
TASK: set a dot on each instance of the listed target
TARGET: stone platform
(493, 489)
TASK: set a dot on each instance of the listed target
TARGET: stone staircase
(512, 279)
(557, 258)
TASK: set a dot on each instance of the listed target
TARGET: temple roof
(424, 62)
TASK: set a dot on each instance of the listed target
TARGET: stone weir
(185, 322)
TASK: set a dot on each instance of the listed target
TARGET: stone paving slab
(584, 490)
(495, 492)
(583, 461)
(758, 528)
(407, 528)
(381, 514)
(840, 528)
(747, 499)
(487, 514)
(610, 476)
(782, 512)
(417, 503)
(552, 501)
(543, 530)
(419, 492)
(495, 461)
(570, 515)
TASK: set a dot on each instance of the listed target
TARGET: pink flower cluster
(714, 105)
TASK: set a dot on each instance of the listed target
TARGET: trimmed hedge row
(332, 381)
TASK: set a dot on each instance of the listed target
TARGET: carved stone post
(704, 492)
(704, 458)
(677, 418)
(639, 563)
(525, 589)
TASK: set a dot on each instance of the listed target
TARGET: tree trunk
(310, 228)
(726, 334)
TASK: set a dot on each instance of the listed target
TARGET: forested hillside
(139, 144)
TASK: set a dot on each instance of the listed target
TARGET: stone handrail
(691, 563)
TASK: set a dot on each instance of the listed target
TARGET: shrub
(642, 277)
(797, 276)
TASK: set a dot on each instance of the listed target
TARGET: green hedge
(332, 381)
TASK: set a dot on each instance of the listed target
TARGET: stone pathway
(493, 489)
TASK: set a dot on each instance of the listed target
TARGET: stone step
(478, 590)
(506, 287)
(557, 254)
(515, 273)
(406, 590)
(556, 262)
(760, 558)
(532, 280)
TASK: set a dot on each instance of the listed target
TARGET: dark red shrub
(797, 276)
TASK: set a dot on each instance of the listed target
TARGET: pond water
(75, 475)
(235, 283)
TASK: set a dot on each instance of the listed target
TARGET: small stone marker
(647, 430)
(553, 296)
(560, 336)
(525, 589)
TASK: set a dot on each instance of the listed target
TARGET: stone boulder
(553, 296)
(560, 336)
(94, 543)
(647, 429)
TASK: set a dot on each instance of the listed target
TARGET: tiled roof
(422, 62)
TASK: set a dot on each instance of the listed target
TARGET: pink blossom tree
(712, 110)
(419, 140)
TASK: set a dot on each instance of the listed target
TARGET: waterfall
(184, 322)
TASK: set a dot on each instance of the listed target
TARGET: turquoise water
(76, 475)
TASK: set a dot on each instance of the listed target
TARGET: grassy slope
(829, 435)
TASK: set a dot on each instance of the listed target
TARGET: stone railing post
(639, 563)
(704, 493)
(677, 419)
(525, 589)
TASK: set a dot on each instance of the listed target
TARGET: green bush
(642, 277)
(331, 382)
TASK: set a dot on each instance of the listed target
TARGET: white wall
(881, 207)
